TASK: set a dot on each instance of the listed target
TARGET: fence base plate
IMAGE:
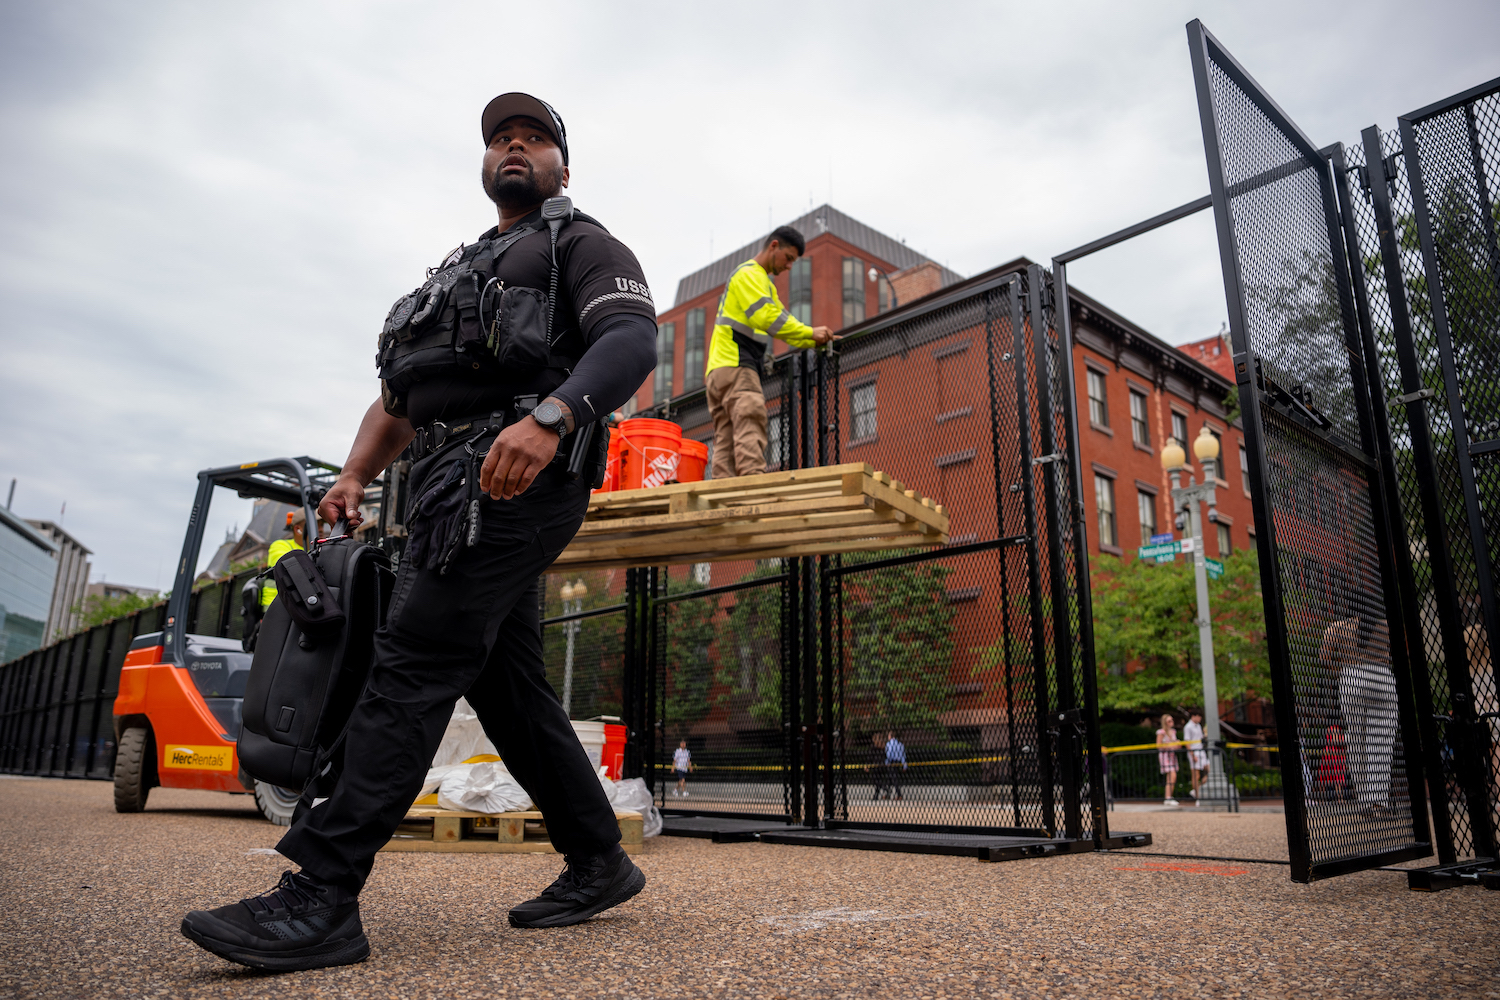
(1480, 871)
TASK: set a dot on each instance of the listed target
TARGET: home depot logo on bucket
(661, 468)
(650, 454)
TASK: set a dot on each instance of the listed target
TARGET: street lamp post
(572, 598)
(1216, 792)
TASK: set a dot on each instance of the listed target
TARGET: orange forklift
(178, 712)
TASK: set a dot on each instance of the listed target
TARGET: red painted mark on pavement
(1190, 869)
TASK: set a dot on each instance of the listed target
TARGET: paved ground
(92, 900)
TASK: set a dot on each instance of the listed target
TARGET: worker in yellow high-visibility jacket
(296, 521)
(750, 314)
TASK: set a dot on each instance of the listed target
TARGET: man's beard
(510, 191)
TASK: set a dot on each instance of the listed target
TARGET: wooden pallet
(819, 511)
(430, 828)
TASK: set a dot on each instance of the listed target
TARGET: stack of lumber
(777, 515)
(431, 828)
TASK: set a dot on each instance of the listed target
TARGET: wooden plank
(711, 487)
(828, 509)
(678, 531)
(754, 537)
(784, 552)
(714, 515)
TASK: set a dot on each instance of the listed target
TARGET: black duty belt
(433, 437)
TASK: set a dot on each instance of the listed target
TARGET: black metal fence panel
(57, 703)
(1333, 614)
(1451, 155)
(721, 692)
(1405, 374)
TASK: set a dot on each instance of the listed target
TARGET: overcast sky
(207, 209)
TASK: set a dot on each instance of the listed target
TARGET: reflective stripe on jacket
(750, 314)
(279, 548)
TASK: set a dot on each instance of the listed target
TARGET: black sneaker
(587, 886)
(300, 924)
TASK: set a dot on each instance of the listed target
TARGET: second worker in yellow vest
(296, 521)
(750, 314)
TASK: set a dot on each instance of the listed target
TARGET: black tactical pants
(475, 631)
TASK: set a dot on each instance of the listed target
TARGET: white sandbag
(464, 738)
(633, 795)
(485, 788)
(435, 778)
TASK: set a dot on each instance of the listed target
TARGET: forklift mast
(299, 482)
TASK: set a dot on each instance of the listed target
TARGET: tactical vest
(464, 319)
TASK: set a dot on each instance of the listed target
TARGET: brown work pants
(738, 407)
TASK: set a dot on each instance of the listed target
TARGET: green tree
(1144, 615)
(900, 628)
(96, 609)
(691, 675)
(750, 650)
(598, 647)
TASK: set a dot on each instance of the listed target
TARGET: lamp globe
(1207, 446)
(1172, 455)
(580, 590)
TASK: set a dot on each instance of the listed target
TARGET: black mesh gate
(933, 693)
(1451, 154)
(1434, 549)
(1334, 618)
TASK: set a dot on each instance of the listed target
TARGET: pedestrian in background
(1166, 756)
(1367, 701)
(878, 768)
(895, 753)
(682, 763)
(1197, 756)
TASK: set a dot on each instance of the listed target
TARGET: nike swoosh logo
(590, 402)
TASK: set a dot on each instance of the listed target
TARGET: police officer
(488, 371)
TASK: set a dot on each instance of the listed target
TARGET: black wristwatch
(550, 416)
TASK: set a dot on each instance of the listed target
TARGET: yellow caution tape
(973, 760)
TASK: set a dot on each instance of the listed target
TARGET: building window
(862, 412)
(883, 293)
(1245, 470)
(1104, 498)
(774, 453)
(1098, 399)
(854, 291)
(1179, 429)
(692, 351)
(1226, 548)
(666, 335)
(1146, 503)
(1140, 430)
(799, 281)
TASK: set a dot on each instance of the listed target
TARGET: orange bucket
(613, 756)
(612, 463)
(694, 460)
(650, 452)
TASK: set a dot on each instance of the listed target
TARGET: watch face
(547, 414)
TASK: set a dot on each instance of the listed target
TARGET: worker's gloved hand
(824, 335)
(342, 501)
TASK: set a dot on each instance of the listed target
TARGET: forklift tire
(277, 804)
(133, 760)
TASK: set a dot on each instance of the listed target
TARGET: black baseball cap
(516, 103)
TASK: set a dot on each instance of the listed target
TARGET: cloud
(207, 210)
